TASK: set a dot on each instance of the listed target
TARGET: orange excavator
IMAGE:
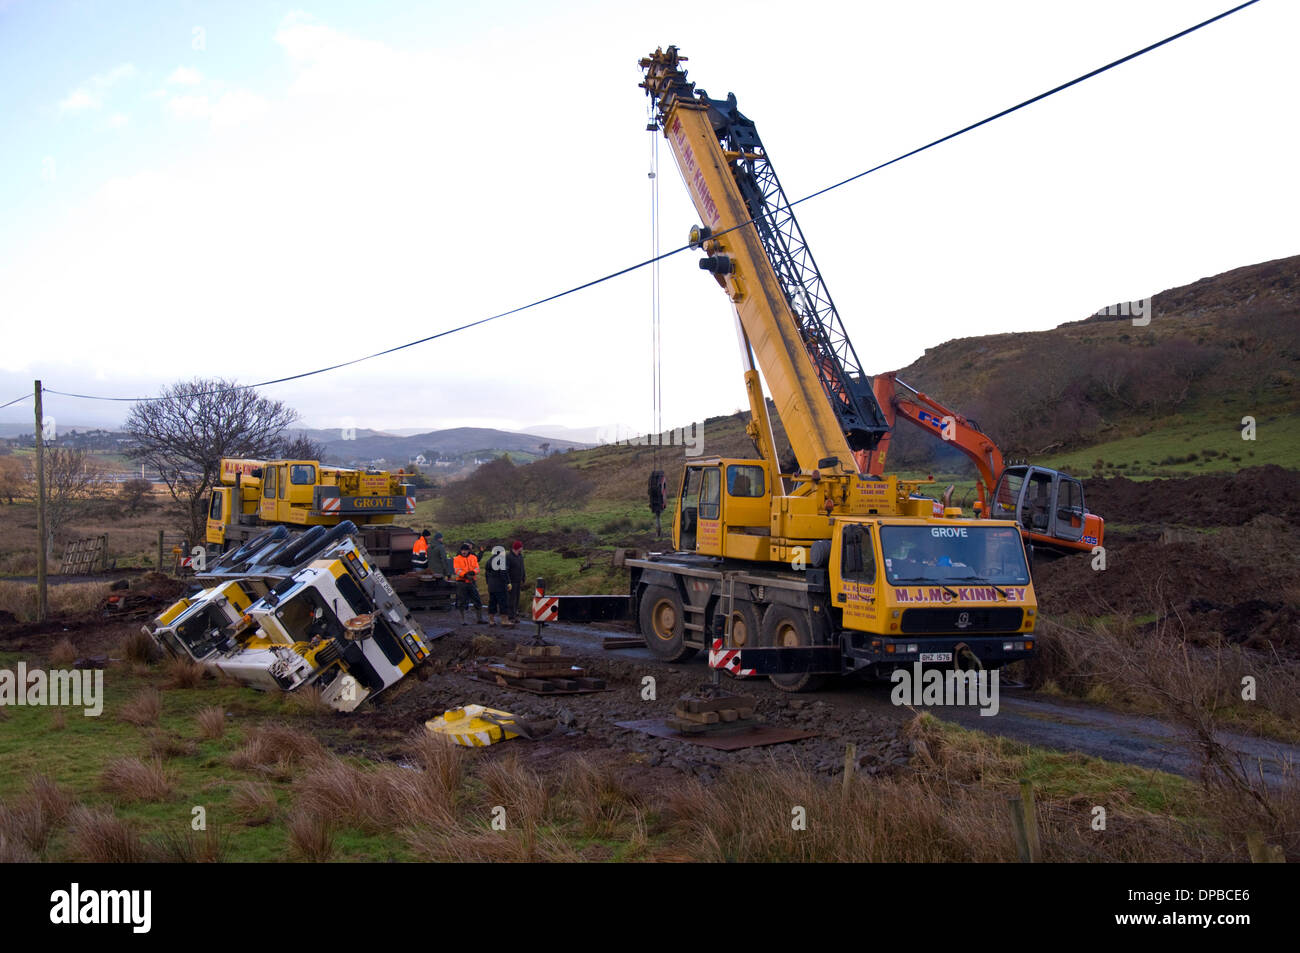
(1048, 504)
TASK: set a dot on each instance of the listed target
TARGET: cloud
(184, 76)
(90, 94)
(238, 106)
(230, 109)
(330, 62)
(189, 107)
(77, 100)
(118, 120)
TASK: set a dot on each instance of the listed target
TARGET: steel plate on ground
(752, 736)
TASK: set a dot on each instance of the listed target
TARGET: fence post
(1031, 821)
(160, 549)
(1018, 829)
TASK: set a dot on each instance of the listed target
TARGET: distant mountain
(588, 435)
(456, 442)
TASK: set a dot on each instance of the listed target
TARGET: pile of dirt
(1240, 582)
(1212, 499)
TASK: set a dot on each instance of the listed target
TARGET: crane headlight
(718, 264)
(699, 235)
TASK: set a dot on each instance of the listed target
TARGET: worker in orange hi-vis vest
(420, 551)
(465, 567)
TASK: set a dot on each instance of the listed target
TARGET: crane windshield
(988, 554)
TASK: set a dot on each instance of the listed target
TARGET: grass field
(132, 540)
(129, 786)
(1182, 447)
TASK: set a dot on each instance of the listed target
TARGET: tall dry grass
(139, 648)
(63, 654)
(308, 700)
(134, 780)
(143, 709)
(181, 845)
(1197, 687)
(598, 797)
(211, 722)
(311, 837)
(278, 751)
(787, 815)
(254, 802)
(73, 598)
(39, 809)
(183, 673)
(164, 746)
(99, 836)
(386, 797)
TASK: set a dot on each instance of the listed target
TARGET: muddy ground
(1220, 551)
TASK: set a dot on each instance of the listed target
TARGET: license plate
(936, 656)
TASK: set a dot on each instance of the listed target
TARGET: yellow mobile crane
(254, 494)
(846, 571)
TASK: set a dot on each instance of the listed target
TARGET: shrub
(99, 836)
(133, 780)
(184, 673)
(63, 654)
(212, 722)
(144, 709)
(311, 837)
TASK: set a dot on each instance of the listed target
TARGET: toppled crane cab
(292, 609)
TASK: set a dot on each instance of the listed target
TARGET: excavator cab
(1048, 505)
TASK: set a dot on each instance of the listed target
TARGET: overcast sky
(252, 190)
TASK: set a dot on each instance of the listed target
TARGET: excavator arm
(897, 399)
(1048, 504)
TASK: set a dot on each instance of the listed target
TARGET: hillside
(1142, 397)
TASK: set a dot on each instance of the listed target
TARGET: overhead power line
(657, 258)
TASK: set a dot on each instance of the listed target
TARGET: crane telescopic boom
(758, 254)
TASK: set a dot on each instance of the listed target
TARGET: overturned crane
(287, 610)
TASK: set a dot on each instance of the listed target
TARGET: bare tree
(185, 433)
(70, 481)
(135, 494)
(15, 479)
(301, 447)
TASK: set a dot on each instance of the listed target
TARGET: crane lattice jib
(845, 384)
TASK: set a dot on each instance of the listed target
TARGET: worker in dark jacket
(420, 552)
(498, 583)
(515, 570)
(438, 562)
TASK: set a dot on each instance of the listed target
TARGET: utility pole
(42, 597)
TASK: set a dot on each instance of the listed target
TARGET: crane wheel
(663, 624)
(745, 625)
(787, 627)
